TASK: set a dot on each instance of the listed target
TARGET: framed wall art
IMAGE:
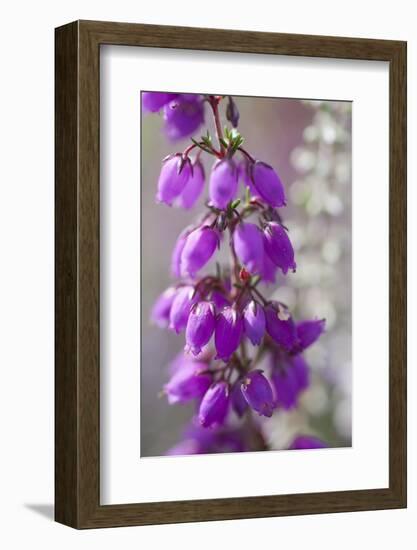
(230, 274)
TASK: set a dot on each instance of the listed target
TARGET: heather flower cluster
(243, 353)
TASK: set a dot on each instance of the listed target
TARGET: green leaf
(235, 204)
(255, 280)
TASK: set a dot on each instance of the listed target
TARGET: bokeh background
(309, 144)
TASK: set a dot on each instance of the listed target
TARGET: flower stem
(214, 103)
(247, 155)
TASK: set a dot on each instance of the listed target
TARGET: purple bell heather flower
(301, 371)
(278, 247)
(223, 183)
(198, 249)
(219, 300)
(307, 442)
(199, 440)
(258, 393)
(214, 405)
(183, 115)
(267, 183)
(254, 322)
(185, 447)
(249, 246)
(269, 269)
(189, 382)
(280, 326)
(200, 326)
(228, 332)
(239, 403)
(175, 173)
(308, 332)
(162, 308)
(193, 188)
(177, 251)
(286, 387)
(154, 101)
(184, 299)
(244, 175)
(181, 360)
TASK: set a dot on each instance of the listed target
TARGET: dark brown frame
(77, 274)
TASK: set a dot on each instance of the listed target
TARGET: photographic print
(211, 297)
(246, 274)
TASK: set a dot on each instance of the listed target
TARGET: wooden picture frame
(77, 374)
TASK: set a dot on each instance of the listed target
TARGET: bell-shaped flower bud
(183, 115)
(267, 183)
(232, 113)
(308, 332)
(223, 183)
(286, 387)
(198, 249)
(307, 442)
(191, 381)
(153, 102)
(193, 188)
(185, 298)
(280, 325)
(249, 246)
(254, 322)
(301, 371)
(219, 300)
(177, 252)
(162, 308)
(244, 175)
(278, 247)
(239, 403)
(258, 393)
(214, 405)
(228, 332)
(269, 269)
(175, 173)
(200, 326)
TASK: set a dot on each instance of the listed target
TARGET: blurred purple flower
(228, 332)
(162, 308)
(254, 322)
(267, 184)
(185, 298)
(280, 326)
(199, 247)
(278, 247)
(153, 102)
(249, 246)
(200, 326)
(301, 371)
(258, 393)
(193, 188)
(286, 387)
(239, 403)
(188, 382)
(183, 116)
(308, 332)
(177, 251)
(175, 173)
(219, 300)
(214, 405)
(223, 183)
(307, 442)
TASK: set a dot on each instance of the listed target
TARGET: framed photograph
(230, 274)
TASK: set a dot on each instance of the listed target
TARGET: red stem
(247, 155)
(214, 103)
